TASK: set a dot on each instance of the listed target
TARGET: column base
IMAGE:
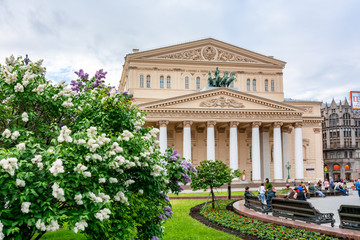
(299, 180)
(257, 181)
(279, 181)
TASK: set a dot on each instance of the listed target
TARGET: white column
(163, 136)
(285, 150)
(210, 140)
(278, 165)
(255, 152)
(299, 165)
(187, 140)
(234, 161)
(265, 153)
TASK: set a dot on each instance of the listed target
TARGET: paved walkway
(331, 204)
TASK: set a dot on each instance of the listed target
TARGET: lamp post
(288, 166)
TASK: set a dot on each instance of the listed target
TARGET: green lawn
(182, 226)
(224, 193)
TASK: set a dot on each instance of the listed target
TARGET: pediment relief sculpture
(208, 53)
(222, 102)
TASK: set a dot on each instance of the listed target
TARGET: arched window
(168, 82)
(141, 81)
(198, 83)
(336, 167)
(272, 85)
(333, 120)
(347, 167)
(161, 81)
(248, 85)
(187, 82)
(266, 85)
(254, 84)
(148, 81)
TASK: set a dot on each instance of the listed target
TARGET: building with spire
(341, 140)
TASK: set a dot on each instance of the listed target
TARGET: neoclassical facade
(249, 126)
(341, 141)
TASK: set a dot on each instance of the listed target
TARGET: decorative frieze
(222, 102)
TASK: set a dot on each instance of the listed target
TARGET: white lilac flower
(113, 93)
(40, 225)
(20, 183)
(80, 141)
(101, 140)
(64, 135)
(97, 157)
(91, 132)
(78, 199)
(103, 214)
(19, 88)
(9, 165)
(25, 117)
(129, 182)
(87, 174)
(80, 226)
(21, 146)
(94, 198)
(39, 90)
(113, 180)
(102, 180)
(156, 170)
(57, 167)
(116, 148)
(58, 192)
(92, 145)
(104, 197)
(127, 135)
(68, 103)
(52, 227)
(80, 168)
(25, 207)
(2, 236)
(10, 77)
(141, 191)
(15, 135)
(6, 133)
(37, 159)
(10, 60)
(120, 197)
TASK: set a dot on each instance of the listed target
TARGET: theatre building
(248, 125)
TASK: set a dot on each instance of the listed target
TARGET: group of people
(266, 191)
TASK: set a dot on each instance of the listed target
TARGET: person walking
(326, 184)
(262, 192)
(331, 182)
(268, 186)
(319, 184)
(357, 186)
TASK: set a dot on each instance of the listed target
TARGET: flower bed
(254, 227)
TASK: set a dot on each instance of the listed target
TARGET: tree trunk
(213, 198)
(229, 191)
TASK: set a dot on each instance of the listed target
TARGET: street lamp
(288, 166)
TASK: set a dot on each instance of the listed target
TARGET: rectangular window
(266, 85)
(272, 85)
(168, 82)
(332, 155)
(254, 85)
(187, 82)
(148, 81)
(198, 83)
(161, 81)
(141, 81)
(248, 84)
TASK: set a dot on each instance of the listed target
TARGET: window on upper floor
(338, 155)
(168, 82)
(186, 82)
(254, 84)
(248, 84)
(333, 120)
(141, 81)
(266, 85)
(346, 119)
(332, 155)
(148, 81)
(350, 154)
(272, 85)
(161, 81)
(198, 83)
(345, 154)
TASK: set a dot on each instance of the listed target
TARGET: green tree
(212, 174)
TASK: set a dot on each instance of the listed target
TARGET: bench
(300, 210)
(349, 217)
(326, 192)
(254, 202)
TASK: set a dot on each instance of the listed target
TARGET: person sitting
(247, 192)
(300, 194)
(340, 188)
(306, 192)
(270, 195)
(292, 195)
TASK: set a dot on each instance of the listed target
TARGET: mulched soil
(195, 213)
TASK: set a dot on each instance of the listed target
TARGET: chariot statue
(219, 81)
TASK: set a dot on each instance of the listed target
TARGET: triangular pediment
(222, 99)
(206, 50)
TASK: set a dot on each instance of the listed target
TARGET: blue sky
(319, 40)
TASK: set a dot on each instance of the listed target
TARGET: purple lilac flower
(100, 74)
(162, 216)
(155, 238)
(187, 178)
(81, 74)
(75, 85)
(168, 211)
(167, 198)
(179, 185)
(174, 156)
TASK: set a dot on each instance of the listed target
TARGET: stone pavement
(331, 204)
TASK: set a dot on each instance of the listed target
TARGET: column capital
(298, 125)
(234, 124)
(210, 124)
(187, 123)
(163, 123)
(278, 124)
(286, 129)
(317, 130)
(256, 124)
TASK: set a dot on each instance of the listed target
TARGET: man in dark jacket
(270, 195)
